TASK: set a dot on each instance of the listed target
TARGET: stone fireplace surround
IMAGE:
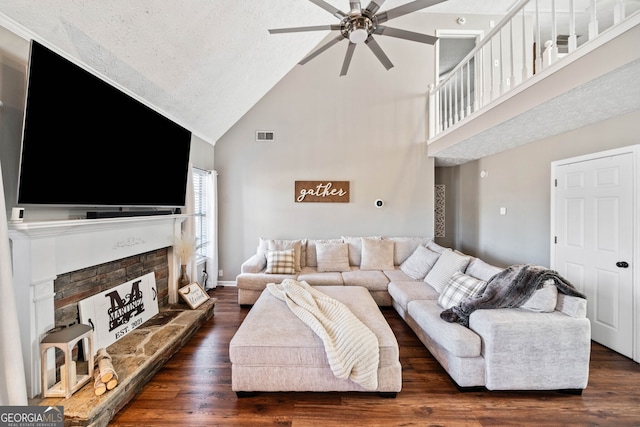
(44, 250)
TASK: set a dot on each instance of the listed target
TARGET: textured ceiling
(204, 63)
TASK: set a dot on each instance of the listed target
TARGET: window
(200, 208)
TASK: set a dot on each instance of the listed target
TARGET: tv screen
(86, 143)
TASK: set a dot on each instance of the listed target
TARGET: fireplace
(47, 254)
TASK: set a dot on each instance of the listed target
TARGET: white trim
(635, 151)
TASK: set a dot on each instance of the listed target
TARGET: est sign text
(322, 191)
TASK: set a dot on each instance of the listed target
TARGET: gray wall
(520, 181)
(368, 128)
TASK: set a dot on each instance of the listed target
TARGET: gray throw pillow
(419, 263)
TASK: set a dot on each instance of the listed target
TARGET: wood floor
(194, 389)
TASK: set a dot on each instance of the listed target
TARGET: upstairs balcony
(550, 66)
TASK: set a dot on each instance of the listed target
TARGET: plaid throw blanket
(510, 288)
(352, 348)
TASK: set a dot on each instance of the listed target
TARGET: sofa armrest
(533, 351)
(572, 306)
(255, 264)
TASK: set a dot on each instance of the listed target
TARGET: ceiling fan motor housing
(357, 28)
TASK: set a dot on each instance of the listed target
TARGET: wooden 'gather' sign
(322, 191)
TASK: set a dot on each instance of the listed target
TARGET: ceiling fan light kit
(359, 25)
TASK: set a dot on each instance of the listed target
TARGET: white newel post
(43, 250)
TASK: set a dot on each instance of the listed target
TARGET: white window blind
(200, 212)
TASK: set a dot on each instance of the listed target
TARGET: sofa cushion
(332, 256)
(312, 276)
(453, 337)
(481, 270)
(419, 263)
(377, 254)
(448, 263)
(398, 275)
(371, 279)
(312, 260)
(404, 292)
(355, 248)
(460, 286)
(543, 300)
(405, 246)
(299, 247)
(281, 262)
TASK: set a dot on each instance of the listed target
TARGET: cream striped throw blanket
(352, 348)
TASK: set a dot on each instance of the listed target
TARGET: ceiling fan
(359, 25)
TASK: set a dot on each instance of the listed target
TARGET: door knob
(622, 264)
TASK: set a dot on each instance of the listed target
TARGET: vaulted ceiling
(204, 63)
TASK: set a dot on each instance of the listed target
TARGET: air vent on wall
(265, 136)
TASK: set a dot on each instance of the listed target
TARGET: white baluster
(525, 69)
(547, 55)
(593, 21)
(538, 63)
(456, 116)
(573, 38)
(618, 12)
(554, 34)
(469, 87)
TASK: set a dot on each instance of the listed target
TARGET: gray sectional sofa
(544, 344)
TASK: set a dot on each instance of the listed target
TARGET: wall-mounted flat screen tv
(87, 143)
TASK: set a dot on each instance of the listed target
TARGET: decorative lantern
(65, 340)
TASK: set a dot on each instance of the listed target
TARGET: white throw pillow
(355, 248)
(480, 269)
(377, 254)
(312, 257)
(333, 257)
(281, 262)
(460, 286)
(543, 300)
(404, 247)
(448, 263)
(419, 263)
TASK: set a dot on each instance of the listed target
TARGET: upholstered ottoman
(273, 350)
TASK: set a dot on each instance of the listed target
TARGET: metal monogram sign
(118, 311)
(322, 191)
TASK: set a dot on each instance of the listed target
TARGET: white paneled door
(593, 249)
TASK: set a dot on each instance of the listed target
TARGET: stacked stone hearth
(138, 355)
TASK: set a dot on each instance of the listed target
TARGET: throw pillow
(312, 257)
(377, 254)
(333, 257)
(543, 300)
(480, 269)
(355, 248)
(281, 262)
(460, 286)
(435, 247)
(296, 245)
(404, 247)
(448, 263)
(419, 263)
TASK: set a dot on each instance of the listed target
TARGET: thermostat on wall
(379, 203)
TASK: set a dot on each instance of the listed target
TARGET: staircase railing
(532, 36)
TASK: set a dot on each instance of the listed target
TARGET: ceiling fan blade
(300, 29)
(405, 9)
(347, 59)
(377, 51)
(332, 10)
(374, 6)
(355, 6)
(404, 34)
(321, 49)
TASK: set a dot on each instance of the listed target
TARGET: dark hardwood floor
(194, 389)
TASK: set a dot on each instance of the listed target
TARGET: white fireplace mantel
(42, 250)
